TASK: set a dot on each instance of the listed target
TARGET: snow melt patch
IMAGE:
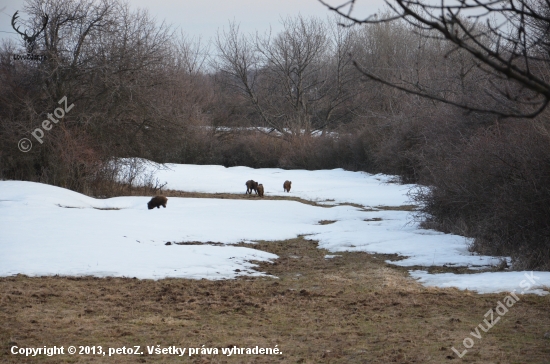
(48, 230)
(392, 232)
(324, 186)
(488, 282)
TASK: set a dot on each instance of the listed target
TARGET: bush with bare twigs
(495, 187)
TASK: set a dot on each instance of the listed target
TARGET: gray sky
(204, 17)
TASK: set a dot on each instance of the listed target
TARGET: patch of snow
(329, 187)
(268, 130)
(488, 282)
(396, 234)
(41, 238)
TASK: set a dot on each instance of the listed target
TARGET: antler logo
(30, 40)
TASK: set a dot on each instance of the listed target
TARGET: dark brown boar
(157, 202)
(286, 186)
(251, 185)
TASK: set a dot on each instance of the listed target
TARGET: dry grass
(348, 309)
(223, 196)
(398, 208)
(139, 191)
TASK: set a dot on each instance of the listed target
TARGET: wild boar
(286, 186)
(157, 202)
(260, 190)
(251, 185)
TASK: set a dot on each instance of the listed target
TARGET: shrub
(495, 187)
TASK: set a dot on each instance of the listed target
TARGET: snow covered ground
(266, 130)
(489, 282)
(46, 230)
(323, 186)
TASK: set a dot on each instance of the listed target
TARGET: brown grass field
(354, 308)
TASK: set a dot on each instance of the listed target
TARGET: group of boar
(251, 185)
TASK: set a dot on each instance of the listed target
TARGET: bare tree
(506, 39)
(132, 87)
(192, 53)
(298, 81)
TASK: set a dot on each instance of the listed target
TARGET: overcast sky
(205, 17)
